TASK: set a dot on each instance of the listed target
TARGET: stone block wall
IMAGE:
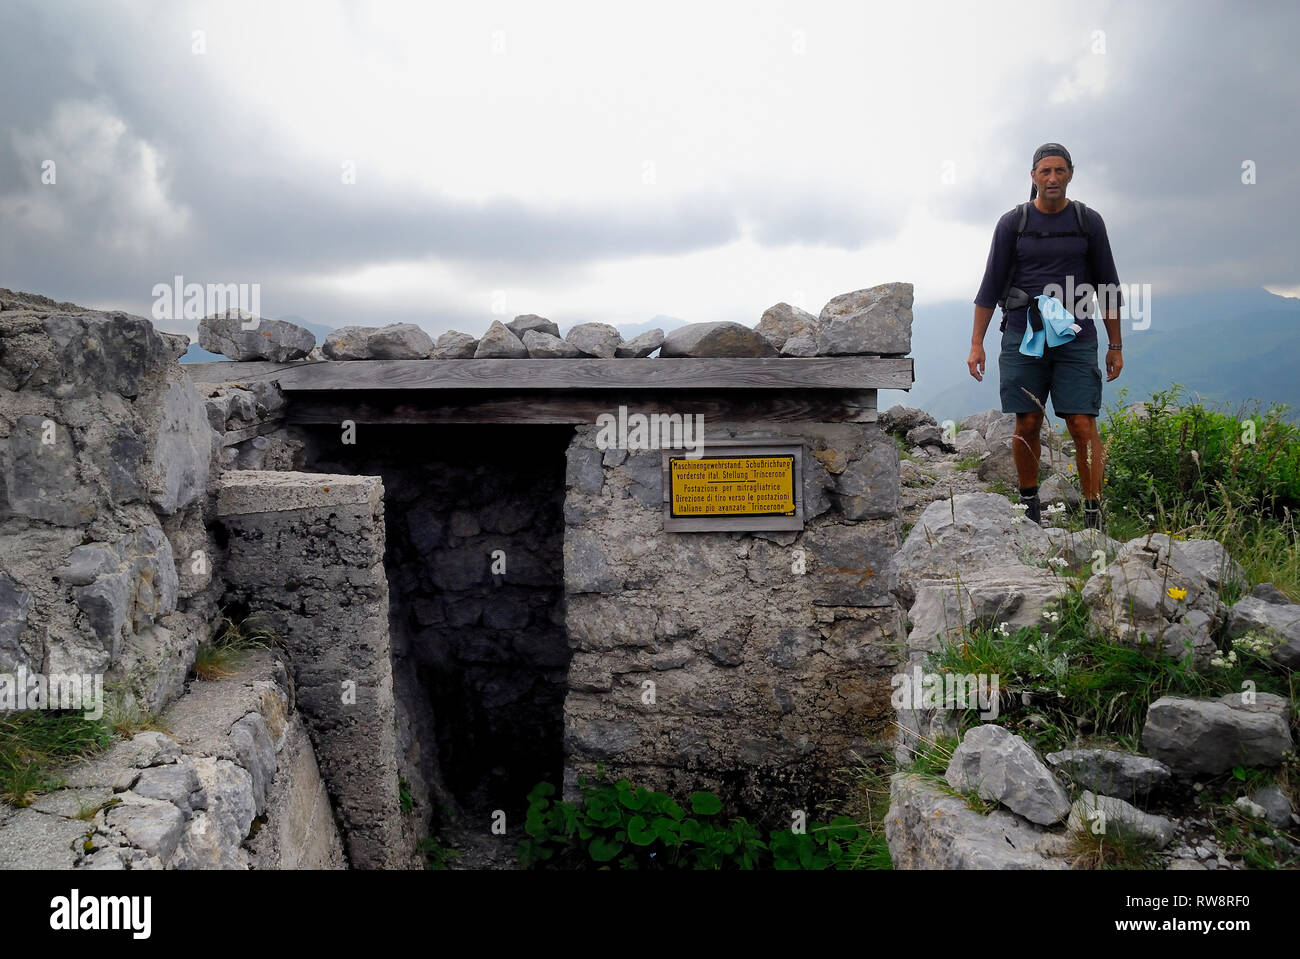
(766, 680)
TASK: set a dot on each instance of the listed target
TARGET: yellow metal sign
(732, 486)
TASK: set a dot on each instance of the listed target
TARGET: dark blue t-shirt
(1041, 261)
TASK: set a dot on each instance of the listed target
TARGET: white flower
(1056, 508)
(1017, 520)
(1059, 561)
(1021, 506)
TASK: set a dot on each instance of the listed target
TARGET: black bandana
(1049, 150)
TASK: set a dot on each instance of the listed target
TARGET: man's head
(1051, 171)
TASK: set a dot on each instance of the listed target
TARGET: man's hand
(975, 362)
(1114, 363)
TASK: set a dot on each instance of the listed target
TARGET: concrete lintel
(241, 492)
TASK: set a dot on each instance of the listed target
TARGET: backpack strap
(1080, 214)
(1020, 228)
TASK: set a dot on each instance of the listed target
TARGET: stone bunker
(485, 564)
(543, 611)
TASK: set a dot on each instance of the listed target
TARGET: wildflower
(1032, 648)
(1177, 593)
(1059, 561)
(1017, 520)
(1057, 507)
(1020, 506)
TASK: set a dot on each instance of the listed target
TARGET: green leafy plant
(618, 825)
(436, 855)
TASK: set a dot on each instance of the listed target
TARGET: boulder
(544, 346)
(1111, 773)
(799, 346)
(877, 320)
(595, 339)
(782, 322)
(928, 829)
(1278, 622)
(969, 531)
(1198, 736)
(498, 343)
(531, 321)
(716, 340)
(639, 347)
(901, 419)
(1133, 600)
(1106, 815)
(348, 343)
(242, 336)
(997, 764)
(454, 345)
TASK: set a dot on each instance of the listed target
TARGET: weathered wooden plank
(474, 406)
(776, 373)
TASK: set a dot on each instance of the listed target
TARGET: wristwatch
(1115, 346)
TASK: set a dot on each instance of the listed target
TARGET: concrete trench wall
(305, 555)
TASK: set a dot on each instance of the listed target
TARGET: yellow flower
(1177, 593)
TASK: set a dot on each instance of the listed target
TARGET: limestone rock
(399, 341)
(1117, 817)
(799, 346)
(900, 419)
(998, 764)
(1131, 600)
(928, 829)
(498, 343)
(1111, 773)
(716, 340)
(242, 336)
(877, 320)
(531, 321)
(639, 347)
(971, 530)
(595, 339)
(454, 345)
(546, 346)
(1193, 736)
(347, 343)
(782, 322)
(1279, 622)
(151, 825)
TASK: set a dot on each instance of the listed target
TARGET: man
(1054, 256)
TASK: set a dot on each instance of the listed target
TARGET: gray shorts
(1069, 373)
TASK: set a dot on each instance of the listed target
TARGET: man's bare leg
(1090, 458)
(1026, 447)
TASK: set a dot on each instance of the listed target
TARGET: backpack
(1080, 214)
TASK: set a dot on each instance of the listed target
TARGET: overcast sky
(605, 161)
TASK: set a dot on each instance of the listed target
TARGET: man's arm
(996, 270)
